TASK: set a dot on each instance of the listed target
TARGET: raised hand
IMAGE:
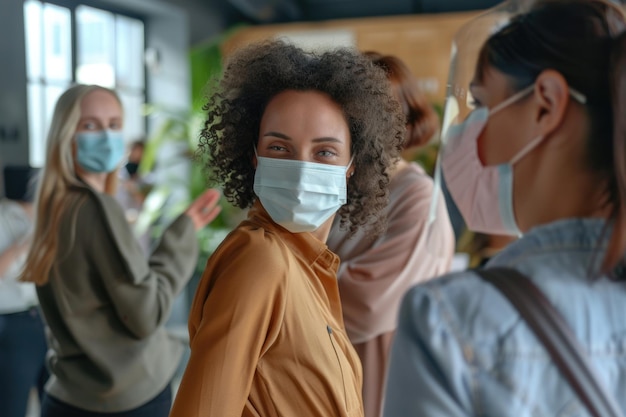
(204, 208)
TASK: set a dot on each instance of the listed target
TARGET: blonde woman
(104, 303)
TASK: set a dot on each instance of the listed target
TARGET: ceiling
(211, 17)
(271, 11)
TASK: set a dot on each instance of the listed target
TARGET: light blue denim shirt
(462, 350)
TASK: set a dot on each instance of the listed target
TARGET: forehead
(100, 103)
(305, 111)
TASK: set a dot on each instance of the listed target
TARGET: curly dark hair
(257, 73)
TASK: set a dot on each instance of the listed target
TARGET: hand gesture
(204, 208)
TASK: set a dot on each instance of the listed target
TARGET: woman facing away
(375, 273)
(104, 303)
(298, 137)
(546, 149)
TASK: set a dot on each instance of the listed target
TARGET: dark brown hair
(584, 41)
(257, 73)
(421, 120)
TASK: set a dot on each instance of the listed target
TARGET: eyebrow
(317, 140)
(96, 118)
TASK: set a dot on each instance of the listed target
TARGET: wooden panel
(422, 41)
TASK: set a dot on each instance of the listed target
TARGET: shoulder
(410, 196)
(95, 207)
(14, 223)
(253, 252)
(11, 211)
(463, 303)
(7, 206)
(250, 266)
(255, 241)
(108, 204)
(412, 183)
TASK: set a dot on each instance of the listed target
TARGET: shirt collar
(589, 237)
(304, 244)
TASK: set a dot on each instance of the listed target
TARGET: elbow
(140, 327)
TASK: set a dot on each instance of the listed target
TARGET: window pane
(134, 126)
(130, 49)
(41, 102)
(58, 43)
(96, 40)
(52, 93)
(36, 128)
(32, 27)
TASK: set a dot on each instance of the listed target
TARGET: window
(85, 45)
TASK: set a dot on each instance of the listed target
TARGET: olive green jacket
(105, 306)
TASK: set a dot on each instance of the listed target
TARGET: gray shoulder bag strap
(556, 336)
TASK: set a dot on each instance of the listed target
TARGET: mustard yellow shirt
(266, 330)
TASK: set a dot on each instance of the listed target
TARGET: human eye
(88, 125)
(115, 125)
(327, 153)
(277, 148)
(475, 103)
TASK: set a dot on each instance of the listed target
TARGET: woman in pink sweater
(375, 273)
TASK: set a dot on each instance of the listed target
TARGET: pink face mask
(483, 194)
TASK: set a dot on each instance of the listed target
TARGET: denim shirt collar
(588, 236)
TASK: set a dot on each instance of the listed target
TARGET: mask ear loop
(515, 97)
(576, 95)
(526, 149)
(349, 165)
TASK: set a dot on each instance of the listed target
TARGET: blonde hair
(56, 191)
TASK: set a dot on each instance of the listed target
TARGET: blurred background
(160, 54)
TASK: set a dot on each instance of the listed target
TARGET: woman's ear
(552, 96)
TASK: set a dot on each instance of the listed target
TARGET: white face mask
(300, 196)
(484, 194)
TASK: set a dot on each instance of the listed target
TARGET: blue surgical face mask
(100, 151)
(300, 196)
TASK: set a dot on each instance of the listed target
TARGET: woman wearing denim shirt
(543, 154)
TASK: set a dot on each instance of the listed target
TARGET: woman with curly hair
(298, 137)
(375, 273)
